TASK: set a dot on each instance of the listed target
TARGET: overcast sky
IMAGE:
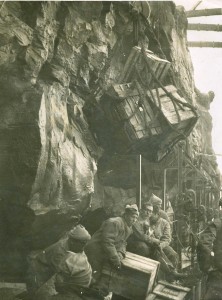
(207, 64)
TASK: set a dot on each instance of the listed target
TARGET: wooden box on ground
(165, 290)
(135, 279)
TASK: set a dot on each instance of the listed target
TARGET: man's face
(148, 211)
(131, 219)
(76, 246)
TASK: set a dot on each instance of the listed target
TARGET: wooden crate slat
(176, 287)
(131, 132)
(148, 109)
(158, 70)
(169, 88)
(165, 70)
(129, 65)
(124, 90)
(136, 61)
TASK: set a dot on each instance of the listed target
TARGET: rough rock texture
(53, 57)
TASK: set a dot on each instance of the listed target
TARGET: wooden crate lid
(137, 61)
(140, 263)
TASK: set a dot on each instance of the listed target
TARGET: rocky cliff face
(53, 56)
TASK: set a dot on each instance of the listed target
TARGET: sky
(207, 64)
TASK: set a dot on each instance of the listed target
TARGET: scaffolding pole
(205, 27)
(139, 182)
(180, 190)
(204, 12)
(202, 44)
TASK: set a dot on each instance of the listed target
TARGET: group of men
(76, 261)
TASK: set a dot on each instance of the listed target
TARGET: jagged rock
(53, 57)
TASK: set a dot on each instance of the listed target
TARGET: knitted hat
(133, 209)
(155, 200)
(79, 233)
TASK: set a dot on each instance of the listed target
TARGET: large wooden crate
(177, 113)
(146, 122)
(140, 63)
(136, 278)
(165, 290)
(133, 109)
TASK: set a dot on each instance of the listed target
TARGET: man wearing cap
(67, 254)
(151, 237)
(141, 241)
(108, 244)
(157, 204)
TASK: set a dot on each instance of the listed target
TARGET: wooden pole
(205, 44)
(205, 27)
(204, 12)
(139, 182)
(164, 188)
(180, 190)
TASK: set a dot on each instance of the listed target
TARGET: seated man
(157, 203)
(108, 244)
(151, 238)
(162, 231)
(205, 245)
(73, 280)
(214, 272)
(50, 261)
(141, 241)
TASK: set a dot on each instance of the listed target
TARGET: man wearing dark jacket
(45, 264)
(205, 245)
(214, 265)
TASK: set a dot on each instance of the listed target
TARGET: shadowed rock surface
(53, 55)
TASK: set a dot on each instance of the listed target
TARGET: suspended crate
(180, 115)
(140, 65)
(147, 123)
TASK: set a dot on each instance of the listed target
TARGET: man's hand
(121, 256)
(155, 242)
(115, 262)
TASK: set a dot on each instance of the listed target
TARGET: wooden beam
(204, 12)
(202, 44)
(205, 27)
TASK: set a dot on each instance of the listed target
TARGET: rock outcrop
(53, 58)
